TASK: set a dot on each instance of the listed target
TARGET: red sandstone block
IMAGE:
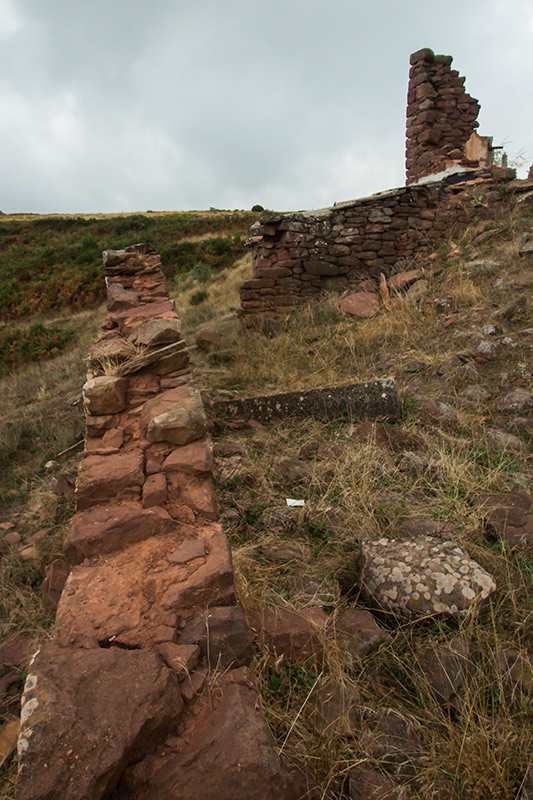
(154, 491)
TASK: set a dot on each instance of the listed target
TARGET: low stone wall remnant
(145, 689)
(296, 257)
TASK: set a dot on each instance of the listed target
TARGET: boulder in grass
(361, 304)
(422, 577)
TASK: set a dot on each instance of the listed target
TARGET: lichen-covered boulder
(422, 576)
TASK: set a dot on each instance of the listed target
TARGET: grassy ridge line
(54, 263)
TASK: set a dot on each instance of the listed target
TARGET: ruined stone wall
(296, 257)
(441, 119)
(145, 689)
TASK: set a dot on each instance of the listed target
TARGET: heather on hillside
(54, 263)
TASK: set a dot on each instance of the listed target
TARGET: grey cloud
(128, 105)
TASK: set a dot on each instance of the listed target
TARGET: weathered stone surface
(361, 304)
(106, 706)
(196, 458)
(114, 350)
(525, 245)
(417, 577)
(55, 578)
(106, 528)
(176, 416)
(154, 490)
(508, 517)
(182, 658)
(296, 635)
(110, 477)
(487, 351)
(446, 668)
(315, 266)
(224, 753)
(119, 299)
(105, 395)
(374, 400)
(193, 491)
(189, 549)
(123, 598)
(165, 360)
(517, 401)
(156, 332)
(357, 632)
(222, 636)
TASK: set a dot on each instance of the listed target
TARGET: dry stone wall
(441, 119)
(145, 690)
(296, 257)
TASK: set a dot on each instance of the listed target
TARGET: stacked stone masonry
(441, 120)
(296, 257)
(145, 690)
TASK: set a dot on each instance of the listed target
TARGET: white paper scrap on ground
(291, 502)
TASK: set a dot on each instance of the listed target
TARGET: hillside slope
(380, 713)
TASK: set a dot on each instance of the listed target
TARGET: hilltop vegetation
(54, 263)
(354, 484)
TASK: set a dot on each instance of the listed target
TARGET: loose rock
(422, 576)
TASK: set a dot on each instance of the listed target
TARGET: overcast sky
(130, 105)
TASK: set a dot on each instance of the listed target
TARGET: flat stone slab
(112, 477)
(371, 400)
(422, 576)
(106, 706)
(106, 528)
(135, 597)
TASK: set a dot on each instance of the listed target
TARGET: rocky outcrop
(147, 617)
